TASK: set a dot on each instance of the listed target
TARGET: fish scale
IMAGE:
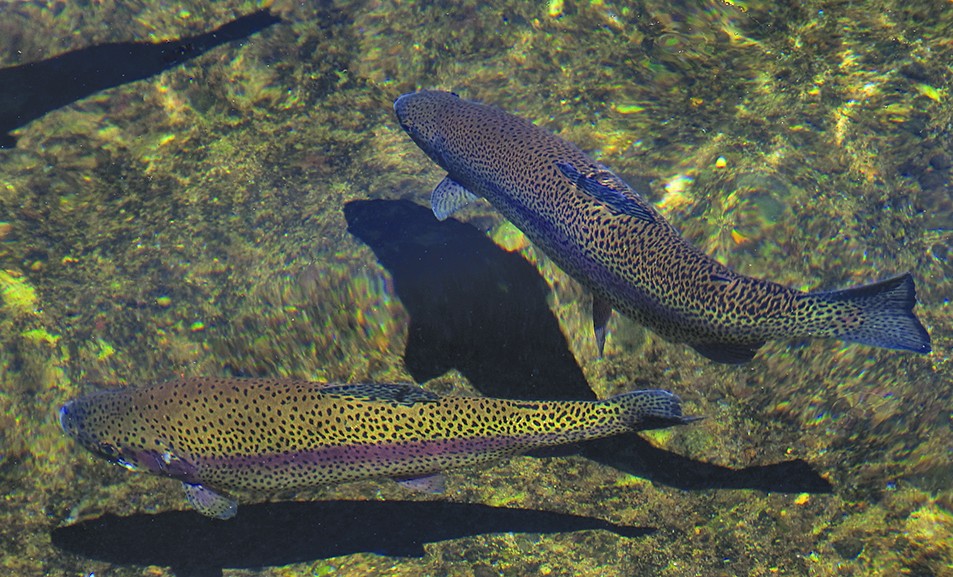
(219, 436)
(601, 232)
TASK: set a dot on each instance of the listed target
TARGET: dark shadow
(29, 91)
(473, 306)
(281, 533)
(481, 310)
(634, 455)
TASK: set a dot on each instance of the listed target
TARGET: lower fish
(601, 232)
(220, 437)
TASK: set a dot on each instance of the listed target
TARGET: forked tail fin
(881, 315)
(651, 409)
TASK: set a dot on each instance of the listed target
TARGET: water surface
(257, 211)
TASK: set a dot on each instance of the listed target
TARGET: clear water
(257, 210)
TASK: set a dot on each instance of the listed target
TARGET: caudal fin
(651, 409)
(881, 314)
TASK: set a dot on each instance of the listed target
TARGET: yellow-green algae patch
(19, 297)
(40, 336)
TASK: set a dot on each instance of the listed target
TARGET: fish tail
(650, 409)
(880, 314)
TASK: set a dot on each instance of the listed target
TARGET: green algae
(19, 297)
(40, 336)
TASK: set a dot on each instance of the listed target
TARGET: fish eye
(107, 450)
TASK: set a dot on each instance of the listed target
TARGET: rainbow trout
(605, 235)
(220, 436)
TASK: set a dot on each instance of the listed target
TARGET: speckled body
(273, 435)
(642, 267)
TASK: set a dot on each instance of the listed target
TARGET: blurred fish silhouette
(29, 91)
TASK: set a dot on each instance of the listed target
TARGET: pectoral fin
(432, 484)
(448, 197)
(601, 311)
(210, 503)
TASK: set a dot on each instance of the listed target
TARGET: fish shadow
(473, 306)
(31, 90)
(481, 310)
(274, 534)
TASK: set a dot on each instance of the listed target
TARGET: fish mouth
(400, 99)
(71, 421)
(67, 421)
(400, 109)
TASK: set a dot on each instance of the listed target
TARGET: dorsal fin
(401, 394)
(600, 187)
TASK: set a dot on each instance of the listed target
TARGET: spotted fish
(225, 436)
(605, 235)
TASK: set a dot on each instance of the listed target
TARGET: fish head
(84, 420)
(421, 114)
(106, 424)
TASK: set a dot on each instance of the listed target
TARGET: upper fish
(601, 232)
(222, 436)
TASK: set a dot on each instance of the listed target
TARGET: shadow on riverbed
(29, 91)
(275, 534)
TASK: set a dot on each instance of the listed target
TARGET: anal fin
(433, 484)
